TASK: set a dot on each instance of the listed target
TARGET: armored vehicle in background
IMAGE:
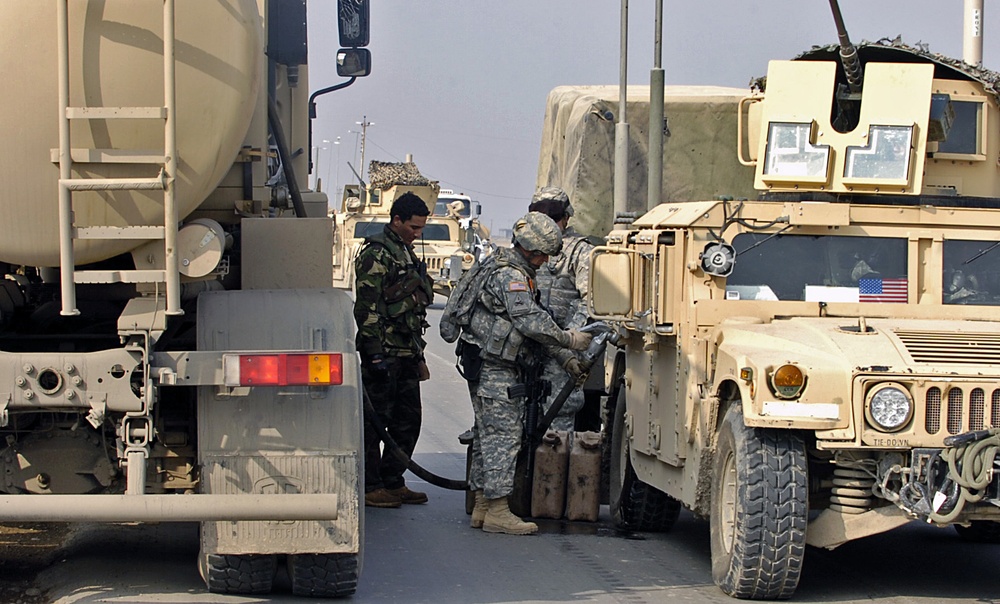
(444, 244)
(170, 346)
(821, 362)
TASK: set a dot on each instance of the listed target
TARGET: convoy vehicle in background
(444, 245)
(821, 362)
(171, 348)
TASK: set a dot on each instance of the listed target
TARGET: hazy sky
(461, 84)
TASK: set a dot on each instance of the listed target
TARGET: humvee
(820, 362)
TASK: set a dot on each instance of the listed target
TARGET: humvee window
(971, 274)
(790, 152)
(820, 269)
(886, 156)
(431, 232)
(963, 137)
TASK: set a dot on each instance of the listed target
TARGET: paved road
(429, 554)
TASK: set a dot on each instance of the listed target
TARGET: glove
(573, 367)
(423, 371)
(579, 340)
(378, 365)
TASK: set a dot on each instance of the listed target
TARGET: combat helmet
(536, 232)
(555, 194)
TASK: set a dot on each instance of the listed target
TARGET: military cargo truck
(170, 346)
(444, 245)
(818, 362)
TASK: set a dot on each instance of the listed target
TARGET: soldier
(562, 285)
(392, 295)
(504, 319)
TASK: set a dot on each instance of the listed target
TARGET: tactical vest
(558, 285)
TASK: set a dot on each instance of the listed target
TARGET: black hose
(286, 158)
(390, 445)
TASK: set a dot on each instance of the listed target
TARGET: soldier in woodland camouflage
(506, 329)
(392, 295)
(562, 284)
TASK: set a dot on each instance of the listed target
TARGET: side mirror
(354, 62)
(353, 22)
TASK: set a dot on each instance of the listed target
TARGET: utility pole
(364, 123)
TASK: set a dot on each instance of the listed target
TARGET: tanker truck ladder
(164, 181)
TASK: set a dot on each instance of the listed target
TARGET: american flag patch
(518, 286)
(882, 290)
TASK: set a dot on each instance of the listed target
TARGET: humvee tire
(635, 505)
(243, 574)
(323, 575)
(759, 510)
(979, 531)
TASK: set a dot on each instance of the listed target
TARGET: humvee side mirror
(354, 62)
(610, 284)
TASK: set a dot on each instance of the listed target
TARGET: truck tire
(635, 505)
(979, 531)
(323, 575)
(759, 510)
(242, 574)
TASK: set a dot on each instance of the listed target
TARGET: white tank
(116, 60)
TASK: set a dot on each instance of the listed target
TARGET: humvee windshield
(432, 232)
(855, 269)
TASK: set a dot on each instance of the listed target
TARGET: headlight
(787, 381)
(889, 407)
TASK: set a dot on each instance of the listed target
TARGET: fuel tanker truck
(170, 345)
(818, 362)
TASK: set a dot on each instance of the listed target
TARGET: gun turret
(848, 53)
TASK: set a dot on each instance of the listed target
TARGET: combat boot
(499, 519)
(479, 511)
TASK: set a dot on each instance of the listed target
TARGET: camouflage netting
(895, 50)
(386, 174)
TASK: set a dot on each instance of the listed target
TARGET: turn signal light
(283, 369)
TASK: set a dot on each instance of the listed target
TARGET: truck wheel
(759, 510)
(979, 531)
(635, 505)
(323, 575)
(242, 574)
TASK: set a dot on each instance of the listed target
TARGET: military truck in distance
(171, 348)
(444, 245)
(821, 363)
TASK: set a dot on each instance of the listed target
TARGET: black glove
(378, 364)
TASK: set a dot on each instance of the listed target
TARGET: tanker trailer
(170, 345)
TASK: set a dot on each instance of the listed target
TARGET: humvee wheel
(759, 510)
(979, 531)
(242, 574)
(323, 575)
(635, 505)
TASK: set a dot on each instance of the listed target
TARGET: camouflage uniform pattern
(506, 316)
(391, 319)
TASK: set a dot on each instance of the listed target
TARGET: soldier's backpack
(462, 301)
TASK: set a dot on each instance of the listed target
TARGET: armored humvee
(818, 363)
(445, 245)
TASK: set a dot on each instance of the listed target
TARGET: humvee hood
(882, 345)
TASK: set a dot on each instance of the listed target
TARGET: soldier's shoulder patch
(517, 286)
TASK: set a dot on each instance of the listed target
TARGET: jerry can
(583, 497)
(548, 489)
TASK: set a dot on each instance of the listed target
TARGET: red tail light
(313, 369)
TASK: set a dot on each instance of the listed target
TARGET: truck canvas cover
(699, 157)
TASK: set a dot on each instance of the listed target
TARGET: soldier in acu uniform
(393, 292)
(506, 329)
(563, 282)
